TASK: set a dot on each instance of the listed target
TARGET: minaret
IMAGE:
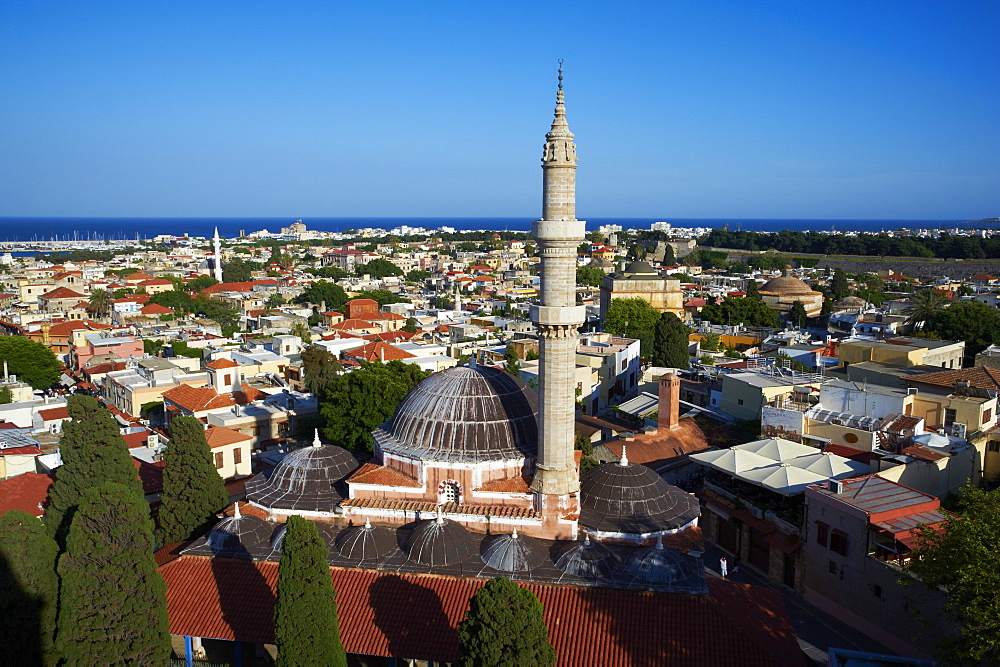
(218, 256)
(557, 317)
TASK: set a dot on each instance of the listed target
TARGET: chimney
(670, 401)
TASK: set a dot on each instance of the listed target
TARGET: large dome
(631, 499)
(786, 286)
(468, 414)
(304, 479)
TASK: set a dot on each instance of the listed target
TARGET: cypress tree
(112, 599)
(305, 615)
(798, 314)
(93, 452)
(504, 626)
(193, 491)
(753, 291)
(670, 342)
(29, 590)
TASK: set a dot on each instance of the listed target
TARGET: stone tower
(218, 256)
(557, 317)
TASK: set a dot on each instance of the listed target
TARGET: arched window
(451, 493)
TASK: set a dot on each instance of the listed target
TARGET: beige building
(904, 352)
(230, 451)
(640, 280)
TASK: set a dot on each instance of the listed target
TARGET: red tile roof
(151, 475)
(372, 473)
(512, 485)
(155, 309)
(412, 615)
(62, 293)
(196, 399)
(25, 492)
(54, 413)
(219, 364)
(923, 453)
(980, 376)
(220, 436)
(28, 450)
(378, 351)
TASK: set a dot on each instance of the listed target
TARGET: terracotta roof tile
(378, 351)
(25, 492)
(413, 615)
(219, 364)
(430, 508)
(54, 413)
(923, 453)
(62, 293)
(372, 473)
(980, 376)
(512, 485)
(220, 436)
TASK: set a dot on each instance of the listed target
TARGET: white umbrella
(777, 449)
(732, 461)
(783, 478)
(829, 465)
(932, 440)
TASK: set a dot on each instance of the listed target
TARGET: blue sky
(681, 109)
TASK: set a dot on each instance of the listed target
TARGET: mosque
(475, 477)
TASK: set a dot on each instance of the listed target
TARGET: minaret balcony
(558, 230)
(559, 315)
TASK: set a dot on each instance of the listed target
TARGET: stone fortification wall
(909, 266)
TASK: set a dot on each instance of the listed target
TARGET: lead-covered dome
(510, 552)
(467, 414)
(659, 564)
(237, 536)
(366, 542)
(439, 542)
(304, 480)
(786, 286)
(587, 559)
(630, 499)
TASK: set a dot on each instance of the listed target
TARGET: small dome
(237, 536)
(602, 263)
(366, 542)
(511, 553)
(325, 530)
(304, 479)
(850, 302)
(468, 414)
(787, 286)
(591, 560)
(438, 542)
(658, 564)
(640, 267)
(631, 499)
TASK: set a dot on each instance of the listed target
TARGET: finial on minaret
(316, 441)
(560, 73)
(236, 511)
(624, 459)
(659, 542)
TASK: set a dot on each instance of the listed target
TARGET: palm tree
(923, 305)
(100, 303)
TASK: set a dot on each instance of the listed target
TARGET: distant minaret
(218, 256)
(557, 317)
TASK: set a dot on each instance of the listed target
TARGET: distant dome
(634, 500)
(786, 286)
(640, 267)
(659, 564)
(511, 552)
(468, 414)
(602, 263)
(439, 542)
(237, 536)
(587, 559)
(366, 542)
(850, 302)
(304, 479)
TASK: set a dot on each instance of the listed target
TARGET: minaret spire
(218, 256)
(556, 316)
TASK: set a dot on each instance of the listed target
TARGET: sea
(70, 229)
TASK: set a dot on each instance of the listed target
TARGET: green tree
(274, 301)
(30, 360)
(670, 342)
(178, 301)
(29, 590)
(100, 303)
(959, 562)
(323, 291)
(669, 258)
(383, 297)
(531, 355)
(93, 452)
(504, 626)
(798, 315)
(112, 599)
(418, 275)
(227, 317)
(410, 326)
(740, 310)
(923, 306)
(839, 288)
(633, 318)
(753, 290)
(200, 283)
(975, 322)
(6, 396)
(320, 368)
(236, 270)
(590, 276)
(710, 342)
(512, 361)
(356, 403)
(379, 268)
(305, 614)
(302, 331)
(193, 491)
